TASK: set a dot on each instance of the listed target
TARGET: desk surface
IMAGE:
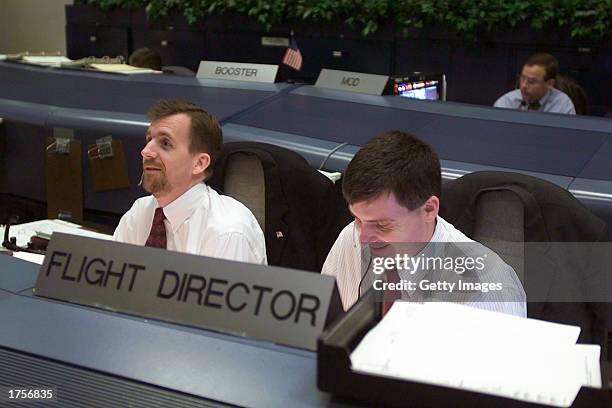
(125, 93)
(543, 143)
(577, 147)
(570, 151)
(210, 365)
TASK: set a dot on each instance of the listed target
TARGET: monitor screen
(420, 85)
(418, 90)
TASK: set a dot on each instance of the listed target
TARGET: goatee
(155, 184)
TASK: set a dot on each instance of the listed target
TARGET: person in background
(537, 90)
(146, 58)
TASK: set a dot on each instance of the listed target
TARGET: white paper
(333, 176)
(124, 69)
(587, 359)
(46, 60)
(23, 232)
(26, 256)
(468, 348)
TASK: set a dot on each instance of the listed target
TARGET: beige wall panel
(32, 25)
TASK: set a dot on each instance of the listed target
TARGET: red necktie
(390, 296)
(157, 236)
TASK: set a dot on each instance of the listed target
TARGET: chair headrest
(244, 180)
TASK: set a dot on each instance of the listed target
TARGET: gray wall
(32, 25)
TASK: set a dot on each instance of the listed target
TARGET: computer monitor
(420, 86)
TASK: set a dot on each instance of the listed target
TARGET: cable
(334, 150)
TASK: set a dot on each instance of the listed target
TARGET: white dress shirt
(346, 257)
(555, 101)
(200, 222)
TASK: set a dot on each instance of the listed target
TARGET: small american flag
(293, 56)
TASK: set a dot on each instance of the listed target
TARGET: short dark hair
(146, 58)
(546, 61)
(396, 162)
(205, 135)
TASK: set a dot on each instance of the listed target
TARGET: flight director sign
(352, 81)
(269, 303)
(237, 71)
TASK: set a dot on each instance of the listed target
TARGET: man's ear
(431, 208)
(201, 163)
(551, 82)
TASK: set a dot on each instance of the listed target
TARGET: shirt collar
(545, 98)
(542, 100)
(179, 210)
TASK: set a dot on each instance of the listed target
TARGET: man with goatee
(183, 213)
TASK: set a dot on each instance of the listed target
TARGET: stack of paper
(26, 256)
(333, 176)
(45, 60)
(123, 69)
(463, 347)
(45, 228)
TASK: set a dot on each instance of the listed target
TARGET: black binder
(334, 374)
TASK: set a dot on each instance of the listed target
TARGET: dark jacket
(301, 210)
(564, 282)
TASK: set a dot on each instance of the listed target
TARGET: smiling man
(393, 187)
(182, 213)
(537, 90)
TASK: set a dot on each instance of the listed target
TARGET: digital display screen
(418, 90)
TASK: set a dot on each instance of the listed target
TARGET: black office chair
(295, 205)
(530, 223)
(575, 92)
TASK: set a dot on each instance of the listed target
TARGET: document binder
(64, 178)
(335, 376)
(107, 164)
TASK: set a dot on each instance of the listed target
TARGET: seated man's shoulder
(507, 99)
(230, 215)
(560, 103)
(463, 246)
(142, 203)
(515, 93)
(347, 232)
(450, 232)
(344, 255)
(561, 96)
(347, 244)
